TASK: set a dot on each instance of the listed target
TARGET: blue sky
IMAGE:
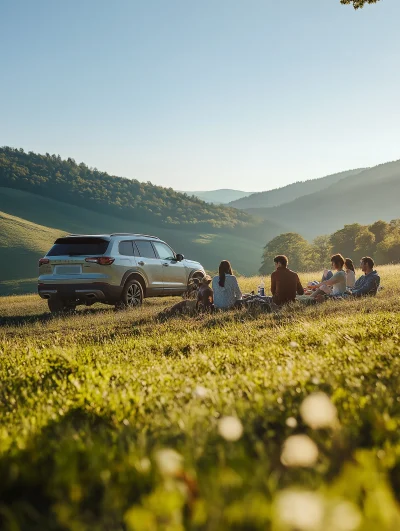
(246, 94)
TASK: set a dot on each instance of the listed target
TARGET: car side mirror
(179, 257)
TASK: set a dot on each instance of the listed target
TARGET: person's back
(226, 296)
(285, 284)
(225, 287)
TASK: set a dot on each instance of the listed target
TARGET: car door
(174, 272)
(149, 264)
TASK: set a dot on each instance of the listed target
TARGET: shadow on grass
(20, 320)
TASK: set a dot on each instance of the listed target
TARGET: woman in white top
(225, 287)
(338, 281)
(350, 273)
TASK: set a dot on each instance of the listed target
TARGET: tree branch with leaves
(357, 4)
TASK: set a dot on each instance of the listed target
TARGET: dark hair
(338, 260)
(368, 260)
(281, 259)
(349, 264)
(224, 269)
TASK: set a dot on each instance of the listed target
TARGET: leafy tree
(357, 4)
(344, 240)
(365, 242)
(291, 244)
(380, 229)
(388, 250)
(321, 252)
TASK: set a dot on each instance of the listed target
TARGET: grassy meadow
(232, 421)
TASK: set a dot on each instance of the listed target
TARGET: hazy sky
(197, 95)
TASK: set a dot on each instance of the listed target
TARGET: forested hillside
(79, 185)
(363, 198)
(288, 193)
(222, 196)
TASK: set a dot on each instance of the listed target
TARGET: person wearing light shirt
(350, 273)
(226, 288)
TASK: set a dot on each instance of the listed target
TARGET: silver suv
(119, 269)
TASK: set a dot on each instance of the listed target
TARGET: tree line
(380, 240)
(77, 184)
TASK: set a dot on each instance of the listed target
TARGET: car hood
(192, 263)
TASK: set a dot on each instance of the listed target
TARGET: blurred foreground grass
(112, 421)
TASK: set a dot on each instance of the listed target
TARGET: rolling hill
(363, 198)
(29, 224)
(222, 196)
(76, 184)
(288, 193)
(22, 243)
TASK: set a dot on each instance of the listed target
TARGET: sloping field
(22, 243)
(208, 248)
(112, 421)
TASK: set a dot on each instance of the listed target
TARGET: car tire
(132, 295)
(56, 304)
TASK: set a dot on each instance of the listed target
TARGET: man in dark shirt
(284, 282)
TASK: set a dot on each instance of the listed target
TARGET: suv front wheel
(132, 296)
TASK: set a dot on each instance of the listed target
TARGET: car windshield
(74, 246)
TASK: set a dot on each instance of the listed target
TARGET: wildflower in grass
(200, 392)
(299, 450)
(300, 510)
(318, 411)
(291, 422)
(230, 428)
(294, 344)
(345, 516)
(169, 462)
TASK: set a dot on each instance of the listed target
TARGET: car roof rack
(118, 234)
(133, 234)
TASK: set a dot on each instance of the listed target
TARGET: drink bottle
(261, 288)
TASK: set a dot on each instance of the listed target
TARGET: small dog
(193, 288)
(204, 300)
(205, 295)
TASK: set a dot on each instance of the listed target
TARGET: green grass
(21, 245)
(90, 402)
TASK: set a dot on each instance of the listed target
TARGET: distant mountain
(222, 196)
(288, 193)
(361, 197)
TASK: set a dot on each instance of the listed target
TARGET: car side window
(126, 248)
(145, 249)
(164, 252)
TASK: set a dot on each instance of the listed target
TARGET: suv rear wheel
(132, 296)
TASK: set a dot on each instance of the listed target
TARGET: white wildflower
(291, 422)
(299, 450)
(345, 517)
(300, 510)
(169, 462)
(230, 428)
(318, 411)
(200, 392)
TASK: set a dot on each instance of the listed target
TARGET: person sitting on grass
(369, 282)
(337, 281)
(313, 285)
(350, 273)
(225, 287)
(285, 284)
